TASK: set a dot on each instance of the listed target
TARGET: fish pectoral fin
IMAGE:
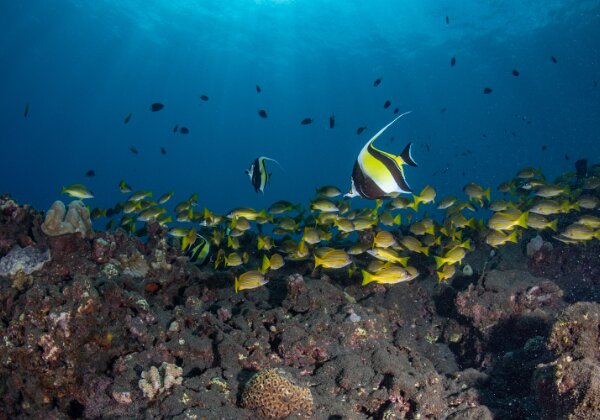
(407, 157)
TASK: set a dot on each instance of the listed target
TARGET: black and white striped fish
(378, 174)
(258, 173)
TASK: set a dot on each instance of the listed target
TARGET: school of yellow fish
(383, 244)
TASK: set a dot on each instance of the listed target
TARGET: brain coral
(272, 396)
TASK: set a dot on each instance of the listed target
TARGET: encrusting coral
(272, 396)
(60, 220)
(19, 263)
(152, 384)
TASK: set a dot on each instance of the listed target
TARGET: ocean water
(83, 66)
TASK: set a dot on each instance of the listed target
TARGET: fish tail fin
(439, 261)
(261, 243)
(425, 251)
(441, 276)
(236, 284)
(466, 245)
(597, 234)
(415, 204)
(430, 230)
(266, 264)
(553, 225)
(367, 277)
(522, 220)
(407, 156)
(245, 257)
(487, 194)
(398, 219)
(318, 261)
(513, 237)
(408, 218)
(403, 261)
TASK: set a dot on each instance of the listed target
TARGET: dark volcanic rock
(570, 386)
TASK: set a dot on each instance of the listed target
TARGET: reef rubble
(113, 327)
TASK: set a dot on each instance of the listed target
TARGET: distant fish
(595, 83)
(377, 82)
(204, 98)
(566, 157)
(77, 191)
(443, 110)
(487, 90)
(306, 121)
(133, 150)
(447, 20)
(377, 174)
(156, 106)
(175, 128)
(90, 173)
(331, 121)
(387, 104)
(163, 150)
(258, 89)
(427, 147)
(26, 111)
(453, 61)
(544, 147)
(184, 130)
(262, 113)
(396, 110)
(554, 60)
(127, 118)
(258, 173)
(360, 130)
(515, 73)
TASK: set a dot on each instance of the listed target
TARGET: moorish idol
(378, 174)
(258, 173)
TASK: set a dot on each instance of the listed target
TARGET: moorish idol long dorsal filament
(378, 174)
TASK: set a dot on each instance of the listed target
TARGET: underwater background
(83, 66)
(144, 274)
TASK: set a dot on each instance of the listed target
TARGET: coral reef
(156, 381)
(124, 328)
(60, 220)
(271, 395)
(569, 386)
(20, 263)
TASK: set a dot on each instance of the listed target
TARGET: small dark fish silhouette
(443, 110)
(156, 106)
(487, 90)
(204, 98)
(427, 147)
(360, 130)
(26, 111)
(387, 104)
(258, 89)
(377, 82)
(396, 110)
(515, 73)
(175, 128)
(306, 121)
(513, 134)
(463, 174)
(262, 113)
(554, 60)
(133, 150)
(595, 83)
(184, 130)
(90, 173)
(447, 20)
(332, 121)
(163, 151)
(544, 147)
(127, 118)
(566, 157)
(453, 61)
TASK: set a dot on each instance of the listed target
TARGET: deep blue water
(82, 66)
